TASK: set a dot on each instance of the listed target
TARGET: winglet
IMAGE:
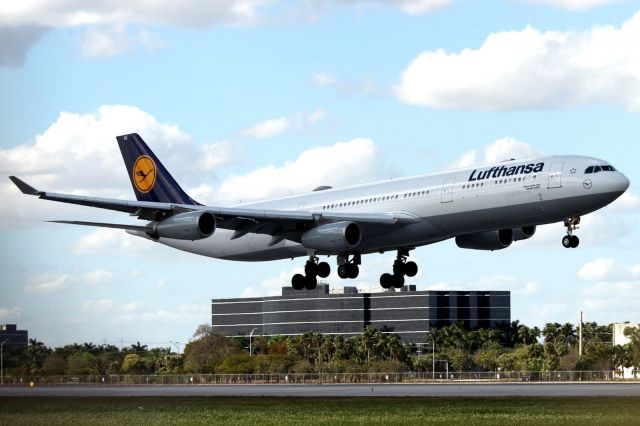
(24, 187)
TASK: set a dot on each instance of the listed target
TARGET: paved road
(429, 390)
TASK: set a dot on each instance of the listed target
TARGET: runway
(384, 390)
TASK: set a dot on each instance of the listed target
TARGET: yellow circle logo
(144, 173)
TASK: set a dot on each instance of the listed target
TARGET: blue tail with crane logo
(150, 179)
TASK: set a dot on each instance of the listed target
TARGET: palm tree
(138, 349)
(366, 341)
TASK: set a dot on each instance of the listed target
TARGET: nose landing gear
(401, 268)
(570, 240)
(312, 270)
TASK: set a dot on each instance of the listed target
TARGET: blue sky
(248, 99)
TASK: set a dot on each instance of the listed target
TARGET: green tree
(240, 363)
(487, 356)
(133, 364)
(207, 350)
(54, 365)
(81, 363)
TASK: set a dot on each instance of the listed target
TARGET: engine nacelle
(489, 240)
(523, 233)
(333, 237)
(186, 226)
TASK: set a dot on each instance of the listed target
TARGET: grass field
(308, 411)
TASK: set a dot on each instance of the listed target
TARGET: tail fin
(150, 180)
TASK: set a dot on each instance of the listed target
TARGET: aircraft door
(555, 175)
(447, 190)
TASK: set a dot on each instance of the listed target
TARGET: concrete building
(408, 313)
(13, 337)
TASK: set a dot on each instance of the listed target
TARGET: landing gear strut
(401, 268)
(348, 268)
(570, 240)
(312, 270)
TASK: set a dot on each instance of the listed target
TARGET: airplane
(483, 208)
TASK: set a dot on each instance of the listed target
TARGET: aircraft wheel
(353, 271)
(343, 271)
(310, 269)
(323, 269)
(386, 280)
(566, 241)
(310, 282)
(575, 241)
(398, 268)
(410, 269)
(298, 282)
(398, 281)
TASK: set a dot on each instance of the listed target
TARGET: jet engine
(332, 237)
(523, 233)
(488, 240)
(186, 226)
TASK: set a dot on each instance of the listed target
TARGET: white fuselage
(509, 194)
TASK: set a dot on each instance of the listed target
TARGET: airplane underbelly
(250, 247)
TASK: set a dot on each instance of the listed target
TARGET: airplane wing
(241, 220)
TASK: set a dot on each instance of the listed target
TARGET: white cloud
(611, 301)
(343, 163)
(46, 282)
(58, 281)
(271, 286)
(419, 7)
(517, 286)
(188, 13)
(107, 241)
(410, 7)
(24, 22)
(319, 79)
(78, 154)
(133, 312)
(104, 42)
(316, 116)
(10, 314)
(99, 306)
(578, 5)
(268, 128)
(16, 41)
(605, 269)
(531, 69)
(150, 41)
(500, 150)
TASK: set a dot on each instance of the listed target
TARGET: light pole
(2, 362)
(433, 355)
(177, 344)
(250, 338)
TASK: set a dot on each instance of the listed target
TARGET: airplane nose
(622, 183)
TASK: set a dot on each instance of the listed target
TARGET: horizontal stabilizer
(24, 187)
(104, 225)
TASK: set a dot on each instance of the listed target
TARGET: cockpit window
(589, 170)
(608, 168)
(597, 169)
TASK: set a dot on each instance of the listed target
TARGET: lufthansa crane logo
(144, 173)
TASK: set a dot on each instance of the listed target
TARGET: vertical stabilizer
(149, 178)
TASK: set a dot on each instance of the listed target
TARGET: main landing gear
(570, 240)
(401, 268)
(312, 270)
(348, 268)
